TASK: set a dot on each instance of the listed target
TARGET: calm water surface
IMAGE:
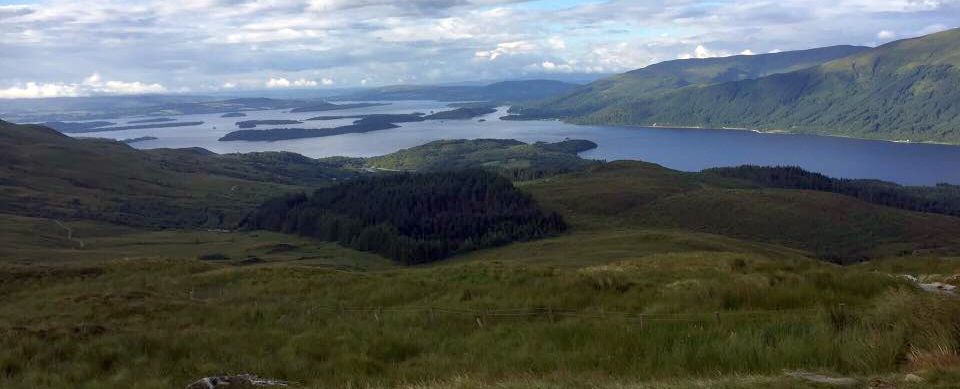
(682, 149)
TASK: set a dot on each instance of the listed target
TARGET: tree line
(942, 198)
(412, 218)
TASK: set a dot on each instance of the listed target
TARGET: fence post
(717, 316)
(377, 314)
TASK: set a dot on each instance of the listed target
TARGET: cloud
(33, 90)
(886, 35)
(180, 45)
(702, 52)
(97, 86)
(274, 83)
(747, 52)
(92, 85)
(507, 48)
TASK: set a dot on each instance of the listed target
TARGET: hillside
(905, 90)
(668, 76)
(673, 280)
(513, 158)
(46, 174)
(500, 92)
(827, 225)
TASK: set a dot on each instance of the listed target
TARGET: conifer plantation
(412, 218)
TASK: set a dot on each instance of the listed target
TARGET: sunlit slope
(905, 90)
(664, 77)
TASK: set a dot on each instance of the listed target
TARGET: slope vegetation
(905, 90)
(46, 174)
(664, 77)
(828, 225)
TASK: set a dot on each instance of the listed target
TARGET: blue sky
(73, 48)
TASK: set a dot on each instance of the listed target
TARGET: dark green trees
(412, 218)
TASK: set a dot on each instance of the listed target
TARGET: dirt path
(70, 233)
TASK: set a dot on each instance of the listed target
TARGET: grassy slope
(29, 240)
(636, 194)
(46, 174)
(489, 153)
(159, 318)
(163, 323)
(658, 79)
(903, 90)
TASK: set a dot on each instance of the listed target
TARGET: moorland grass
(711, 316)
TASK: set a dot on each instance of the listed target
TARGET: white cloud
(702, 52)
(33, 90)
(92, 85)
(552, 67)
(557, 43)
(277, 83)
(204, 42)
(95, 84)
(299, 83)
(886, 35)
(327, 81)
(747, 52)
(507, 48)
(228, 85)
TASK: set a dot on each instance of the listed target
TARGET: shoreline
(765, 132)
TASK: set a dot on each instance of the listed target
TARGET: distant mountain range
(904, 90)
(500, 92)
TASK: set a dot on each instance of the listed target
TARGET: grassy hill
(513, 158)
(826, 225)
(46, 174)
(664, 77)
(905, 90)
(664, 279)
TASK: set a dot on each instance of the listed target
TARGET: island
(380, 117)
(462, 113)
(154, 120)
(334, 107)
(364, 123)
(255, 123)
(76, 127)
(277, 134)
(140, 139)
(142, 127)
(234, 115)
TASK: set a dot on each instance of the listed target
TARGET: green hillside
(826, 225)
(905, 90)
(662, 279)
(513, 158)
(664, 77)
(46, 174)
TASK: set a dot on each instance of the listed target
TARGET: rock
(235, 382)
(822, 379)
(913, 378)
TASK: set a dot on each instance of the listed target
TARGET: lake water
(681, 149)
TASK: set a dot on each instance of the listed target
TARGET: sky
(54, 48)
